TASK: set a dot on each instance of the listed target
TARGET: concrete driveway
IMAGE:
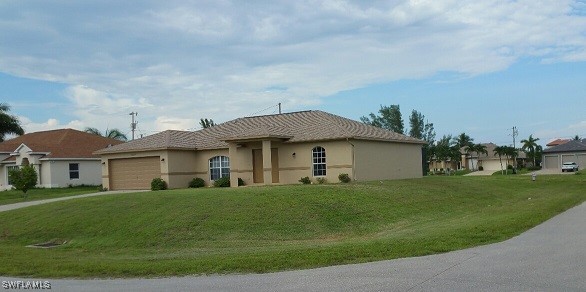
(549, 257)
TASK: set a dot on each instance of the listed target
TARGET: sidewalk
(9, 207)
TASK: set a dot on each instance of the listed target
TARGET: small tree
(23, 179)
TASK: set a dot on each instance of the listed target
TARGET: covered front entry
(258, 165)
(133, 173)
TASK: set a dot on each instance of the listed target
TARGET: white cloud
(176, 63)
(50, 124)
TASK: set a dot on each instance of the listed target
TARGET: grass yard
(264, 229)
(13, 196)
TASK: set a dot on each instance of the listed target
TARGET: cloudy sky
(479, 67)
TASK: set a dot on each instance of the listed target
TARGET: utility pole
(133, 123)
(515, 133)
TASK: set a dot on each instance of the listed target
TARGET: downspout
(353, 160)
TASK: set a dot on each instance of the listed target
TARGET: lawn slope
(262, 229)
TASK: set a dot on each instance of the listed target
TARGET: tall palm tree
(529, 146)
(205, 123)
(510, 153)
(479, 149)
(500, 151)
(112, 133)
(9, 124)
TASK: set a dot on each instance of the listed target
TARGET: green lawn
(263, 229)
(11, 197)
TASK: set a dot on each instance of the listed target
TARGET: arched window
(319, 161)
(219, 167)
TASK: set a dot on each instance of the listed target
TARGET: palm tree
(500, 151)
(479, 149)
(464, 140)
(113, 133)
(9, 124)
(511, 153)
(205, 123)
(529, 146)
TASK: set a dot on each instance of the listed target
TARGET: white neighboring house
(61, 157)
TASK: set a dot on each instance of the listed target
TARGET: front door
(257, 166)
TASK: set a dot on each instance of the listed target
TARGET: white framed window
(8, 170)
(319, 161)
(74, 171)
(219, 167)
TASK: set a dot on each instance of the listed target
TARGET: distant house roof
(290, 127)
(63, 143)
(557, 142)
(570, 146)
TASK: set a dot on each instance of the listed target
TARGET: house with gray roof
(270, 149)
(571, 151)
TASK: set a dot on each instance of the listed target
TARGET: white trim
(70, 159)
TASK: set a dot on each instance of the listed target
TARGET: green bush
(158, 184)
(24, 178)
(223, 182)
(509, 166)
(305, 180)
(321, 180)
(240, 182)
(534, 168)
(344, 178)
(480, 168)
(197, 183)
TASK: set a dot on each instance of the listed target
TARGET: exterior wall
(293, 167)
(554, 161)
(384, 160)
(181, 167)
(376, 160)
(55, 173)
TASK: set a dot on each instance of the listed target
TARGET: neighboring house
(571, 151)
(272, 149)
(60, 157)
(491, 161)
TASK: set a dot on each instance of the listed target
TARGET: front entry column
(267, 162)
(232, 154)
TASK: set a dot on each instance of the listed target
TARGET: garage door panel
(133, 173)
(551, 162)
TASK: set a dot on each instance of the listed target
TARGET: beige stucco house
(570, 151)
(272, 149)
(60, 157)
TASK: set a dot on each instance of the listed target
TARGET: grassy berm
(264, 229)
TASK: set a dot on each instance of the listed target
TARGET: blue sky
(479, 67)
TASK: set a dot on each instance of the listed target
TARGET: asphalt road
(549, 257)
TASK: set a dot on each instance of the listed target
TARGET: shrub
(534, 168)
(321, 180)
(509, 166)
(24, 178)
(197, 183)
(344, 177)
(480, 168)
(305, 180)
(158, 184)
(241, 182)
(223, 182)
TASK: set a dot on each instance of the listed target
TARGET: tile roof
(292, 127)
(571, 146)
(557, 142)
(63, 143)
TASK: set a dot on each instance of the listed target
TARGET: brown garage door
(133, 173)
